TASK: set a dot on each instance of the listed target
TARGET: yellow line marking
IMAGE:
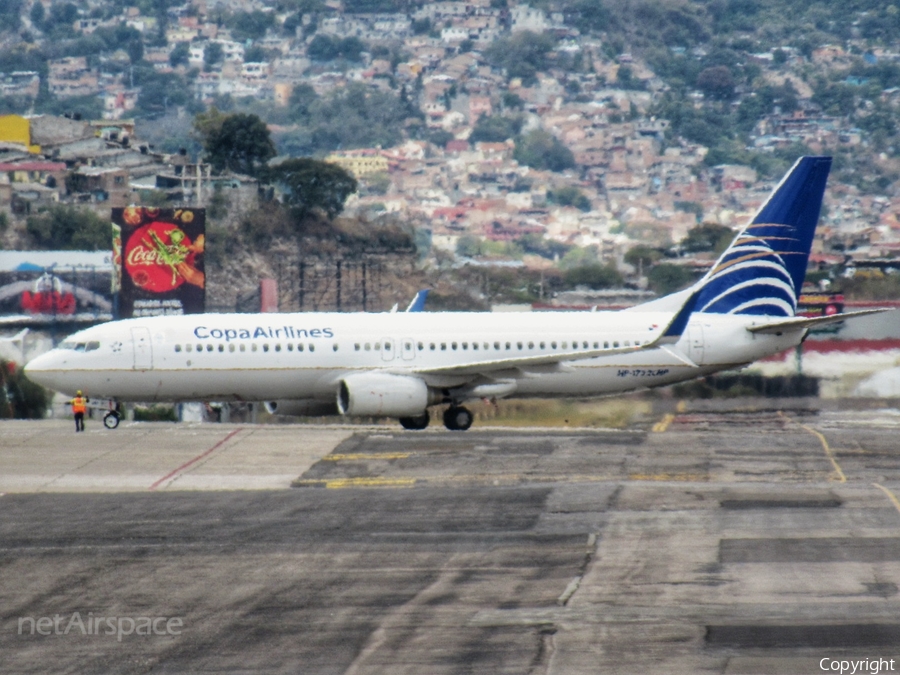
(365, 455)
(828, 453)
(496, 479)
(890, 495)
(664, 423)
(372, 481)
(688, 477)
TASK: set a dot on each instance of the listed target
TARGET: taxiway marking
(193, 461)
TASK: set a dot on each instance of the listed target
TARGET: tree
(642, 257)
(707, 237)
(20, 397)
(311, 185)
(716, 82)
(179, 55)
(240, 142)
(666, 278)
(541, 150)
(569, 195)
(495, 129)
(69, 228)
(593, 276)
(213, 53)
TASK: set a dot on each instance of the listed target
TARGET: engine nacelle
(301, 408)
(383, 394)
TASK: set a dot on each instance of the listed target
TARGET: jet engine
(383, 394)
(301, 408)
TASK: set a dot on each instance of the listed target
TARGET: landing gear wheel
(111, 420)
(457, 418)
(415, 423)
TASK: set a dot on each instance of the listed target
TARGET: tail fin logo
(762, 271)
(752, 278)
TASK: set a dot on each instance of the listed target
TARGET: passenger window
(615, 344)
(299, 347)
(627, 343)
(278, 347)
(243, 348)
(265, 347)
(497, 346)
(465, 345)
(519, 345)
(443, 346)
(421, 346)
(177, 348)
(231, 348)
(290, 346)
(253, 347)
(530, 345)
(565, 345)
(486, 346)
(605, 345)
(508, 346)
(209, 348)
(312, 347)
(543, 345)
(368, 346)
(474, 345)
(377, 346)
(356, 347)
(553, 345)
(334, 347)
(431, 346)
(221, 348)
(584, 344)
(596, 345)
(453, 346)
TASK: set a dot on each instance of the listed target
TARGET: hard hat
(78, 393)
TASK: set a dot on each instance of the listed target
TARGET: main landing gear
(457, 418)
(415, 423)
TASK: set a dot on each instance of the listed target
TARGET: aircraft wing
(668, 336)
(811, 321)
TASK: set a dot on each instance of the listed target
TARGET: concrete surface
(739, 542)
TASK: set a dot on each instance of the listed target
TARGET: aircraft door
(408, 349)
(387, 349)
(143, 351)
(696, 343)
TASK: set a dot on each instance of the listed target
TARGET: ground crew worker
(79, 406)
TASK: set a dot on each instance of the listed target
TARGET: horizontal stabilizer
(811, 321)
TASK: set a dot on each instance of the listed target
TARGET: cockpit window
(91, 346)
(66, 345)
(80, 347)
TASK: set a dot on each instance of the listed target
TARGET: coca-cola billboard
(161, 258)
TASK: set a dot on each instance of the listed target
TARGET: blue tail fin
(763, 269)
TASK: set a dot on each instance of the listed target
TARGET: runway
(700, 541)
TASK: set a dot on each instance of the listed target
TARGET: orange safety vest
(78, 404)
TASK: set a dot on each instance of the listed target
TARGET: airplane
(401, 364)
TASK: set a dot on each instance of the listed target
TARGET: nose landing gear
(111, 419)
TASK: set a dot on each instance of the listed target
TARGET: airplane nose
(37, 368)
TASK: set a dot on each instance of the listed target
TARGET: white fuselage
(257, 357)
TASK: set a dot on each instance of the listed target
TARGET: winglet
(679, 322)
(418, 302)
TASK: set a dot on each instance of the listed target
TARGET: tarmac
(701, 541)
